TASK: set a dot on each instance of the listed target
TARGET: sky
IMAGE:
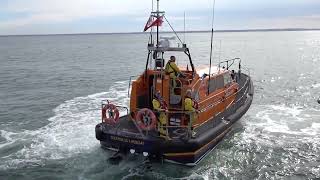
(112, 16)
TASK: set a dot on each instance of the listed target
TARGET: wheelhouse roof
(215, 70)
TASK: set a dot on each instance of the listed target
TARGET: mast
(211, 44)
(158, 23)
(151, 41)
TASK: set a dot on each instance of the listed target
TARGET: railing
(247, 70)
(187, 130)
(130, 80)
(119, 107)
(178, 122)
(230, 62)
(223, 100)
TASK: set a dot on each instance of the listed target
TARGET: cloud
(40, 11)
(66, 11)
(62, 12)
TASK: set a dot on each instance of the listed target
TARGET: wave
(272, 140)
(70, 131)
(317, 85)
(282, 119)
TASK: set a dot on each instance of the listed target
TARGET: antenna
(219, 56)
(157, 23)
(211, 46)
(151, 33)
(151, 27)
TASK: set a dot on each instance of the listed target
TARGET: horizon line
(195, 31)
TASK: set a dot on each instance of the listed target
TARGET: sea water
(51, 88)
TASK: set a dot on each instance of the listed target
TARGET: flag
(157, 22)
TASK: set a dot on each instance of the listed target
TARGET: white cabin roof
(214, 70)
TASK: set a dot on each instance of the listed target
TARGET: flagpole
(211, 46)
(157, 23)
(151, 27)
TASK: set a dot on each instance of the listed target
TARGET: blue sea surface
(51, 88)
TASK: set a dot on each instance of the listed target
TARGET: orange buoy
(110, 114)
(146, 119)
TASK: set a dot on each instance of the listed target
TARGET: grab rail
(195, 126)
(248, 70)
(188, 128)
(232, 61)
(129, 86)
(106, 101)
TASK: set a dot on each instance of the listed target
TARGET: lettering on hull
(127, 140)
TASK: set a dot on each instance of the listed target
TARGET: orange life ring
(110, 114)
(146, 119)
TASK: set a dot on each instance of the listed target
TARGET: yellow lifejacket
(156, 105)
(162, 123)
(188, 104)
(172, 68)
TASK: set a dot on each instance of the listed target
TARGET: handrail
(247, 70)
(181, 85)
(231, 61)
(216, 94)
(129, 86)
(106, 101)
(195, 126)
(228, 98)
(183, 111)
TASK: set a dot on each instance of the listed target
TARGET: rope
(173, 29)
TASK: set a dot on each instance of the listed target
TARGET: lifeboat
(220, 96)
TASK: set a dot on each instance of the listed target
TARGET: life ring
(110, 114)
(146, 119)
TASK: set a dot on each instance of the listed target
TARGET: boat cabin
(212, 93)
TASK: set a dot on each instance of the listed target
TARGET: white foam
(313, 130)
(280, 124)
(8, 137)
(294, 111)
(70, 131)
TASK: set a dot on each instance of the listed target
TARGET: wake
(70, 131)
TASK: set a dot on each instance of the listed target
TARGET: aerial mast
(211, 45)
(158, 23)
(151, 40)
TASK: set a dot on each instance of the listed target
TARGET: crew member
(190, 108)
(233, 75)
(160, 107)
(173, 70)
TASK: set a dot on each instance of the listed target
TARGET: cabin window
(227, 79)
(216, 83)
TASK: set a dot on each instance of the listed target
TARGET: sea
(51, 88)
